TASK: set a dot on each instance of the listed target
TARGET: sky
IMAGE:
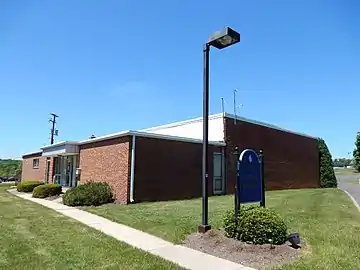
(107, 66)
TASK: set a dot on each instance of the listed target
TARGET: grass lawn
(34, 237)
(326, 218)
(345, 171)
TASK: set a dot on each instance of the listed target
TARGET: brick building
(164, 163)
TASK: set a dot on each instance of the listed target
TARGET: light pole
(220, 40)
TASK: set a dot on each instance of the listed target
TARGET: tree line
(9, 167)
(342, 162)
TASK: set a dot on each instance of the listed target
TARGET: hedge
(47, 190)
(92, 193)
(28, 186)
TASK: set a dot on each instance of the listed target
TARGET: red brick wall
(291, 161)
(167, 170)
(107, 161)
(30, 173)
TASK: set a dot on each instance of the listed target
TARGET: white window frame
(36, 163)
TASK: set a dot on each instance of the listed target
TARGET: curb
(353, 200)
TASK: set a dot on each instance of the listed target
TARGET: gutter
(132, 169)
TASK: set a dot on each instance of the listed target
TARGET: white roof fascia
(181, 123)
(32, 153)
(59, 144)
(147, 135)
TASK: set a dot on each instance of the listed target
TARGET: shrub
(256, 225)
(327, 174)
(356, 153)
(47, 190)
(92, 193)
(28, 186)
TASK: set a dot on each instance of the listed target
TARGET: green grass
(34, 237)
(345, 171)
(325, 218)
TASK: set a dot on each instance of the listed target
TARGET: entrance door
(218, 179)
(65, 167)
(70, 179)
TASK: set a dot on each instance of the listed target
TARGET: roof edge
(31, 154)
(148, 135)
(185, 122)
(59, 144)
(259, 123)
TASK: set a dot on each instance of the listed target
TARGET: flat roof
(231, 116)
(133, 133)
(59, 144)
(35, 153)
(147, 132)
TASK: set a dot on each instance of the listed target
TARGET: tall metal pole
(235, 106)
(263, 202)
(205, 174)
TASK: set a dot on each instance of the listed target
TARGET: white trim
(149, 135)
(59, 144)
(132, 169)
(31, 154)
(231, 116)
(181, 123)
(64, 149)
(251, 151)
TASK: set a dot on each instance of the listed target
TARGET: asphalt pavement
(350, 183)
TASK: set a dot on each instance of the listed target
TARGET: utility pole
(54, 132)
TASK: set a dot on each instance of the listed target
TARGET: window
(35, 163)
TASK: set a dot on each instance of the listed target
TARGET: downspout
(132, 169)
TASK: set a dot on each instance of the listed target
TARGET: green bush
(356, 153)
(47, 190)
(256, 225)
(28, 186)
(327, 174)
(92, 193)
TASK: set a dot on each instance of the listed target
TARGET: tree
(9, 167)
(327, 174)
(342, 162)
(356, 153)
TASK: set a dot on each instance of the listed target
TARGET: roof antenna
(222, 107)
(235, 107)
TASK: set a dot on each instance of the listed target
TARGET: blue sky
(107, 66)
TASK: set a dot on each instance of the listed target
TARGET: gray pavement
(350, 183)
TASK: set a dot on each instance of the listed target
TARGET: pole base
(204, 228)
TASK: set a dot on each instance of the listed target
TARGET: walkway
(183, 256)
(350, 184)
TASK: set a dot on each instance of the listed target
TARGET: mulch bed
(267, 256)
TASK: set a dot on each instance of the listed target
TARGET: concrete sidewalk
(183, 256)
